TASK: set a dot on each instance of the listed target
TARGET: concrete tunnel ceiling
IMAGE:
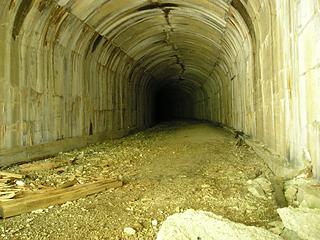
(171, 44)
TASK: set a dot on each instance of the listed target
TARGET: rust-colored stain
(55, 18)
(59, 13)
(12, 4)
(42, 5)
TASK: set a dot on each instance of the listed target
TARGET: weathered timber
(48, 198)
(11, 175)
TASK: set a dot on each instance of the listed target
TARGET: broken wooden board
(8, 188)
(4, 195)
(11, 175)
(48, 198)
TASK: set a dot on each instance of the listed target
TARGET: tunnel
(72, 69)
(77, 73)
(105, 69)
(173, 102)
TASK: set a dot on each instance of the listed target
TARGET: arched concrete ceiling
(172, 40)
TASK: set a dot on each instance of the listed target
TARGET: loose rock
(129, 231)
(303, 192)
(291, 194)
(205, 225)
(260, 187)
(305, 222)
(154, 222)
(289, 235)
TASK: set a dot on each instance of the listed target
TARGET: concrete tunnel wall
(75, 72)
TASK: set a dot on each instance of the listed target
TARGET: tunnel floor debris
(166, 169)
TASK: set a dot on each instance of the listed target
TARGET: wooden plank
(7, 195)
(11, 175)
(48, 198)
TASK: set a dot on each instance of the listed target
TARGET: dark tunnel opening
(172, 102)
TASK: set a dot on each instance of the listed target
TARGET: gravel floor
(166, 169)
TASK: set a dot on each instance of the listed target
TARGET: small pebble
(29, 220)
(129, 231)
(20, 183)
(38, 211)
(66, 204)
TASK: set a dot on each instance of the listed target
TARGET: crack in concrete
(179, 61)
(166, 12)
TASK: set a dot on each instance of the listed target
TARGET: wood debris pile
(16, 197)
(10, 185)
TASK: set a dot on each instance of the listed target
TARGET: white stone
(304, 221)
(38, 211)
(129, 231)
(154, 222)
(256, 191)
(68, 203)
(207, 226)
(20, 183)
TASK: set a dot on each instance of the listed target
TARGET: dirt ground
(166, 169)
